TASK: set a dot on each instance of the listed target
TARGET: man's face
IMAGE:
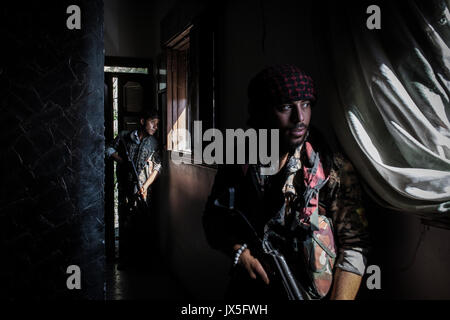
(292, 119)
(150, 126)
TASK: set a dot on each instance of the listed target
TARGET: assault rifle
(142, 204)
(276, 261)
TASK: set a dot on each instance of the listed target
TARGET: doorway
(129, 91)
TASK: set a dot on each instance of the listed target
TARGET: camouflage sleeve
(350, 223)
(157, 161)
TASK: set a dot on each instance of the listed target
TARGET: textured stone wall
(52, 144)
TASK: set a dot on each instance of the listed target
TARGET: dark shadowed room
(136, 137)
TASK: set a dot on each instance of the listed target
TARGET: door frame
(110, 237)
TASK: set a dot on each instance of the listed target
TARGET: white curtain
(392, 101)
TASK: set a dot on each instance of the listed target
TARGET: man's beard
(294, 145)
(291, 146)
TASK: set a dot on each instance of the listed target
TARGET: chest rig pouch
(306, 241)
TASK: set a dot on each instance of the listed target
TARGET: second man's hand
(116, 157)
(143, 193)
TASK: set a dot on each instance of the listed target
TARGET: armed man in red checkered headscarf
(309, 213)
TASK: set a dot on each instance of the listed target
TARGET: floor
(152, 283)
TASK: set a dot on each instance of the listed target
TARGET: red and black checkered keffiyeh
(281, 84)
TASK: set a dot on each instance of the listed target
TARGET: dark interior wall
(253, 34)
(132, 28)
(51, 190)
(413, 257)
(183, 191)
(409, 268)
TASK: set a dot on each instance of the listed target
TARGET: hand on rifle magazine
(252, 265)
(143, 192)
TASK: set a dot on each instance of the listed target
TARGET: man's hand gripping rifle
(142, 204)
(271, 257)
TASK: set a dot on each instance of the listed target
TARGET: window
(188, 92)
(187, 78)
(179, 103)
